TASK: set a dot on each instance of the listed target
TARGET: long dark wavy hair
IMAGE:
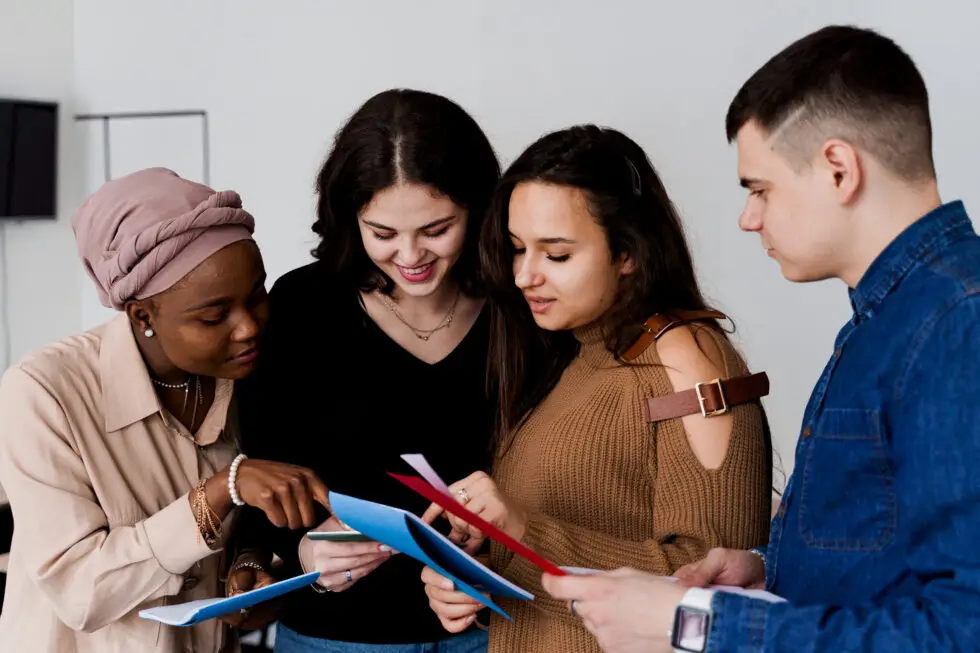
(627, 198)
(402, 136)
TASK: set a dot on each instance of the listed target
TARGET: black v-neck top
(334, 393)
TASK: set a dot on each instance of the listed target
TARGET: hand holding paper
(725, 567)
(341, 564)
(626, 609)
(456, 610)
(245, 579)
(481, 497)
(454, 506)
(404, 532)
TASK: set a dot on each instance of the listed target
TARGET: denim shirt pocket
(848, 500)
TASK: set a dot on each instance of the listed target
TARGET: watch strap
(698, 598)
(695, 599)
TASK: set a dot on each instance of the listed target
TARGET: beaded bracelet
(250, 564)
(233, 479)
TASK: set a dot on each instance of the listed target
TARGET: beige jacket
(97, 475)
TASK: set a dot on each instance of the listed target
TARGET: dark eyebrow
(549, 241)
(221, 301)
(430, 225)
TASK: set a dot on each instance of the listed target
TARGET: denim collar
(922, 240)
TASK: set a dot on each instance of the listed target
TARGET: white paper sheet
(762, 595)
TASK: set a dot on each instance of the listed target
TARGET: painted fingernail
(446, 584)
(384, 548)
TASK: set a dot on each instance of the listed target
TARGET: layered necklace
(186, 387)
(421, 334)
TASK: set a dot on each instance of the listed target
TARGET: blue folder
(192, 612)
(406, 533)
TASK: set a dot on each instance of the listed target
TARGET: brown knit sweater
(607, 489)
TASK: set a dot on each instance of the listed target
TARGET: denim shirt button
(806, 433)
(782, 511)
(837, 353)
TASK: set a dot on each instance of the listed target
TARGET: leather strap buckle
(710, 398)
(721, 410)
(662, 330)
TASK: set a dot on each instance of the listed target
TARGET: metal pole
(105, 148)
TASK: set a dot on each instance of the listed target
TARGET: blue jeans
(289, 641)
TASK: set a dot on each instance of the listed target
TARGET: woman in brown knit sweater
(605, 456)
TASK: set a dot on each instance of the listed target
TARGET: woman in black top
(375, 350)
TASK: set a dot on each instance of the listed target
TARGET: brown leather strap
(711, 399)
(660, 324)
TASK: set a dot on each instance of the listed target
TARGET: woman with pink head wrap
(120, 448)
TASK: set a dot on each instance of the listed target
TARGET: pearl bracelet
(233, 479)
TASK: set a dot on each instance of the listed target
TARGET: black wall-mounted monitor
(28, 159)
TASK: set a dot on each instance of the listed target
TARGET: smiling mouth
(417, 274)
(421, 269)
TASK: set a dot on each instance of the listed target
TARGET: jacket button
(806, 433)
(782, 510)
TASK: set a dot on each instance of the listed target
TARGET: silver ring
(571, 607)
(349, 579)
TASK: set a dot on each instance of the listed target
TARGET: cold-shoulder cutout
(690, 355)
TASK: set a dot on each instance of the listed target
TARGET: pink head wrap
(140, 234)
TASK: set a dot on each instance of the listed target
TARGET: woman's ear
(139, 314)
(626, 265)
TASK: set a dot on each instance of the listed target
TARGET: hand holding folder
(405, 532)
(192, 612)
(412, 536)
(435, 490)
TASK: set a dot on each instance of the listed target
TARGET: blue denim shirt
(876, 544)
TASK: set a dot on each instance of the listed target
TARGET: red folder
(450, 504)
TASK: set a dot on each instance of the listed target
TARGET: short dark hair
(842, 82)
(402, 136)
(628, 200)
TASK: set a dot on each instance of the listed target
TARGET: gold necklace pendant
(421, 334)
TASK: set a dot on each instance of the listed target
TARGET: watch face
(690, 632)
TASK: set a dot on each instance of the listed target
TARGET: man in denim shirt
(876, 544)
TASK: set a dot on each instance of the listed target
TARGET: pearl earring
(148, 333)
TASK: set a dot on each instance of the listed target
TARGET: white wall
(279, 78)
(36, 43)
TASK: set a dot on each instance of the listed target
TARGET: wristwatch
(692, 621)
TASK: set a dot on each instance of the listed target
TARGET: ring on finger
(571, 607)
(464, 496)
(350, 579)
